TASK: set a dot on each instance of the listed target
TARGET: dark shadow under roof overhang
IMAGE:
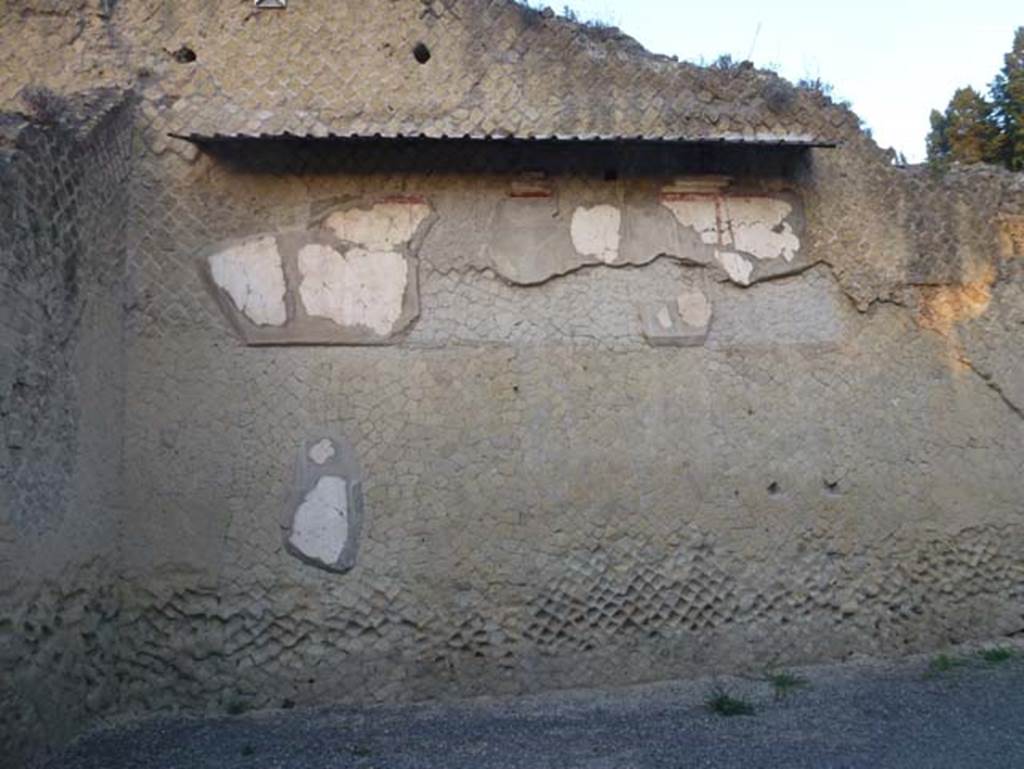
(608, 157)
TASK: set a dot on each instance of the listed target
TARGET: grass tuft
(235, 707)
(785, 683)
(724, 704)
(997, 655)
(945, 663)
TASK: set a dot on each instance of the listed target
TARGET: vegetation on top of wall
(726, 63)
(824, 89)
(977, 128)
(568, 13)
(571, 15)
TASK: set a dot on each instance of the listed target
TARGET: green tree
(967, 132)
(937, 142)
(976, 129)
(1008, 104)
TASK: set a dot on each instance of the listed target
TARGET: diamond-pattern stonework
(63, 198)
(831, 464)
(496, 68)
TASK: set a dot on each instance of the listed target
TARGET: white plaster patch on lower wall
(252, 275)
(736, 266)
(760, 228)
(596, 232)
(383, 227)
(322, 451)
(700, 213)
(320, 528)
(360, 288)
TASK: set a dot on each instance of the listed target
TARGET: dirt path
(867, 714)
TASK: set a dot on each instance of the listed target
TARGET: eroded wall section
(63, 204)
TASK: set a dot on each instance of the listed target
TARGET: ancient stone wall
(437, 418)
(550, 498)
(62, 259)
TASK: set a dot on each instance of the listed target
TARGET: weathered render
(641, 385)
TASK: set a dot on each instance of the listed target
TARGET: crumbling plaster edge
(286, 242)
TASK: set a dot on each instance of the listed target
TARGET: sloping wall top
(476, 68)
(423, 68)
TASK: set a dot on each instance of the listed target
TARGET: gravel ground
(867, 713)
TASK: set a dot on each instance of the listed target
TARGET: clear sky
(894, 61)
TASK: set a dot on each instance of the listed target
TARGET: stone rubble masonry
(492, 72)
(63, 248)
(826, 461)
(1012, 235)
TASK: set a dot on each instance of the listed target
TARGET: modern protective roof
(768, 140)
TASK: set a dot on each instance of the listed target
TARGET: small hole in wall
(832, 487)
(184, 55)
(421, 53)
(774, 489)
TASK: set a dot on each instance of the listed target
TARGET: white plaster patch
(736, 266)
(700, 213)
(759, 227)
(361, 288)
(320, 528)
(596, 232)
(252, 275)
(322, 451)
(384, 227)
(694, 308)
(752, 225)
(664, 318)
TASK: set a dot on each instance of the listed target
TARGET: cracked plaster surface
(252, 275)
(349, 277)
(320, 528)
(382, 227)
(359, 288)
(528, 243)
(596, 232)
